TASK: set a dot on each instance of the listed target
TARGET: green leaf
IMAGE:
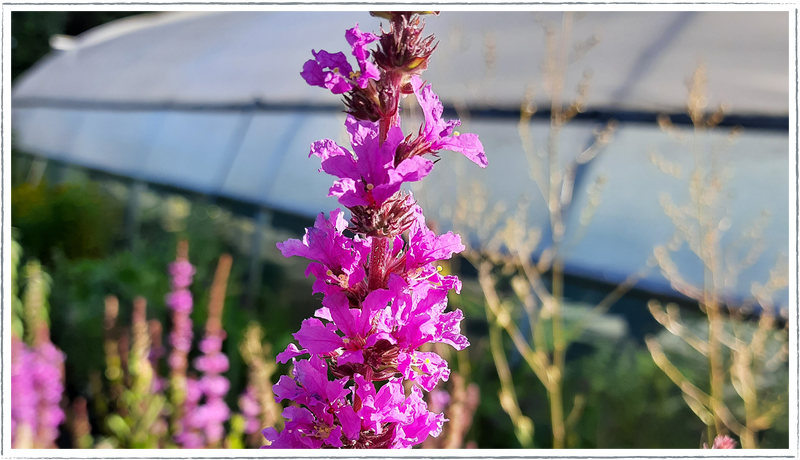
(118, 426)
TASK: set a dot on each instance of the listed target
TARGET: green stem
(559, 353)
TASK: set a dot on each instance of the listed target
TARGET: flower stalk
(384, 296)
(37, 367)
(736, 358)
(509, 246)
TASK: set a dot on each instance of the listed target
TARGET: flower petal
(290, 352)
(318, 338)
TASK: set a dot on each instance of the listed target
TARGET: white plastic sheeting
(629, 221)
(641, 61)
(183, 84)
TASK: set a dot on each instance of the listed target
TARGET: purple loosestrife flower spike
(47, 380)
(383, 297)
(179, 300)
(251, 409)
(208, 418)
(36, 388)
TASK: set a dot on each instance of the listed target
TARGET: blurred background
(665, 134)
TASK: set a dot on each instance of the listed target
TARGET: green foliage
(136, 423)
(79, 221)
(29, 314)
(771, 384)
(235, 438)
(17, 311)
(35, 300)
(78, 297)
(630, 403)
(88, 261)
(492, 428)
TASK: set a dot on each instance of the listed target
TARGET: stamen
(323, 432)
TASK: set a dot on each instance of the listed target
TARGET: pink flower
(214, 364)
(305, 430)
(358, 41)
(439, 400)
(356, 325)
(421, 422)
(180, 300)
(215, 412)
(407, 418)
(212, 343)
(24, 397)
(378, 409)
(248, 404)
(332, 71)
(194, 392)
(338, 260)
(424, 368)
(310, 384)
(425, 247)
(437, 134)
(214, 385)
(368, 176)
(326, 412)
(36, 388)
(329, 71)
(418, 316)
(190, 440)
(182, 272)
(290, 352)
(722, 442)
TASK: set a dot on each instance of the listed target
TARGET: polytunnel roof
(213, 102)
(640, 62)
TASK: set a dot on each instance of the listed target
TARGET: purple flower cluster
(332, 71)
(214, 412)
(251, 410)
(190, 435)
(383, 296)
(36, 390)
(202, 421)
(186, 392)
(180, 302)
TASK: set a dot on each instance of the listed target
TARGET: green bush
(79, 221)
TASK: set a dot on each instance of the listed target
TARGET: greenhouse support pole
(263, 219)
(133, 213)
(36, 170)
